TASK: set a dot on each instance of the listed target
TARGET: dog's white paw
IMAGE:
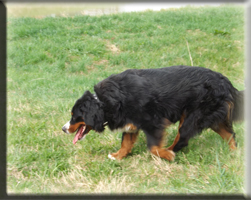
(111, 157)
(173, 155)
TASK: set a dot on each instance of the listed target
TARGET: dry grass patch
(115, 184)
(196, 32)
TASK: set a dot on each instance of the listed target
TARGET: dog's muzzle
(65, 128)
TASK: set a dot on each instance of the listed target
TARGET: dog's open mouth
(80, 134)
(82, 131)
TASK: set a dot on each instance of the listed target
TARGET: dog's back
(168, 91)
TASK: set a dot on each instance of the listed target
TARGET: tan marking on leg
(230, 110)
(177, 138)
(227, 136)
(163, 153)
(130, 128)
(126, 145)
(166, 122)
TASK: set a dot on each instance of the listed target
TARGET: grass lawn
(53, 60)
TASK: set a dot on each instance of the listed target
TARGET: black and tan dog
(152, 99)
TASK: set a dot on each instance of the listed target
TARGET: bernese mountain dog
(152, 99)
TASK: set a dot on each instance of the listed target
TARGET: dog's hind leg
(225, 129)
(227, 134)
(181, 139)
(128, 139)
(163, 153)
(187, 129)
(177, 138)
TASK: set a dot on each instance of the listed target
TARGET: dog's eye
(79, 119)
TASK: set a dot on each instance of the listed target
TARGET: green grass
(52, 61)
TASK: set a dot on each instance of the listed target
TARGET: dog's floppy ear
(92, 110)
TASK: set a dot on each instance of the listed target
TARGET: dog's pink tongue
(79, 134)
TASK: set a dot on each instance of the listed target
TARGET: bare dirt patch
(113, 48)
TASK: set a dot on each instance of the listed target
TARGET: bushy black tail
(238, 111)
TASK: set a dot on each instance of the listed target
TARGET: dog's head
(87, 114)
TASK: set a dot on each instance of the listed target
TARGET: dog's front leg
(128, 139)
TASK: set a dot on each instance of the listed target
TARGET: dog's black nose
(63, 129)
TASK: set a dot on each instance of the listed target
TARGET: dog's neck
(97, 99)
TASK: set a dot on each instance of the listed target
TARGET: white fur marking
(172, 154)
(111, 157)
(66, 127)
(126, 129)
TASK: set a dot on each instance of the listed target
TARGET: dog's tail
(238, 110)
